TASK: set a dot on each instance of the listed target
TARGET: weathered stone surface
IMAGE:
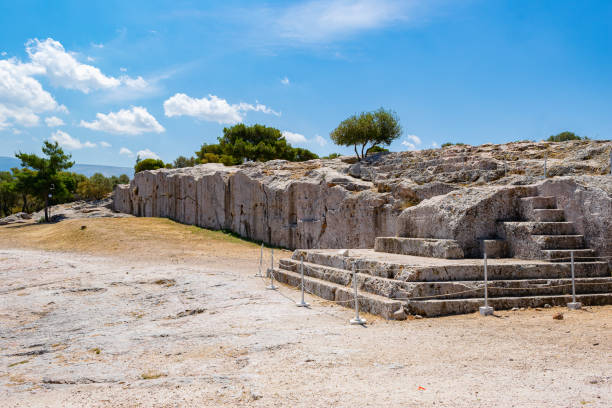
(292, 205)
(458, 192)
(437, 248)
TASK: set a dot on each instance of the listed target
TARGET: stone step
(547, 215)
(392, 288)
(539, 202)
(452, 270)
(559, 241)
(541, 228)
(343, 295)
(433, 308)
(563, 255)
(436, 248)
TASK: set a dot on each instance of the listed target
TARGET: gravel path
(85, 330)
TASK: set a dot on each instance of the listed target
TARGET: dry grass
(144, 238)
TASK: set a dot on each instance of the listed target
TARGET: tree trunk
(24, 207)
(357, 153)
(47, 208)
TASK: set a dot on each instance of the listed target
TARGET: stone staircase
(544, 233)
(393, 285)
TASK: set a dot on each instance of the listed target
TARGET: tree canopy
(46, 177)
(564, 137)
(148, 164)
(255, 143)
(380, 127)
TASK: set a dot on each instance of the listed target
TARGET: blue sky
(109, 79)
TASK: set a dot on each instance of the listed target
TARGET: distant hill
(6, 163)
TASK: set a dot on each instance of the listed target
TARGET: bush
(148, 164)
(564, 137)
(240, 143)
(332, 156)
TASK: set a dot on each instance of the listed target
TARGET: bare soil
(146, 312)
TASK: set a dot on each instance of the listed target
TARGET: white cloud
(69, 142)
(22, 97)
(64, 70)
(414, 138)
(412, 142)
(435, 145)
(122, 69)
(320, 140)
(3, 53)
(147, 154)
(97, 45)
(53, 121)
(285, 81)
(105, 144)
(321, 21)
(133, 121)
(213, 108)
(294, 137)
(126, 152)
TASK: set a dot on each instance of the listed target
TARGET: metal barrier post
(258, 274)
(573, 304)
(302, 303)
(486, 310)
(611, 162)
(357, 319)
(271, 271)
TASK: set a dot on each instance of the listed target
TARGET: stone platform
(394, 285)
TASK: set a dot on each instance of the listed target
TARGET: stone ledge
(433, 248)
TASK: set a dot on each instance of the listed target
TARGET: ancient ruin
(417, 224)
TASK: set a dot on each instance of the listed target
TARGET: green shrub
(564, 137)
(148, 164)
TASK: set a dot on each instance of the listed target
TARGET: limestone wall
(316, 207)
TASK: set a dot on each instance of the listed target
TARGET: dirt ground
(134, 312)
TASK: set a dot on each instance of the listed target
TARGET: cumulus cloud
(126, 152)
(133, 121)
(211, 108)
(320, 140)
(411, 142)
(22, 97)
(147, 154)
(64, 70)
(285, 81)
(294, 137)
(69, 142)
(53, 121)
(105, 144)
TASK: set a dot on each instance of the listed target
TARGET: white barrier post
(271, 287)
(357, 319)
(486, 310)
(302, 303)
(258, 274)
(573, 304)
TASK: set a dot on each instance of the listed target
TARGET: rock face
(294, 205)
(458, 193)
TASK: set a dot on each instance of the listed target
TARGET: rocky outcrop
(303, 205)
(457, 192)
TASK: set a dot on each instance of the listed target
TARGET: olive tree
(366, 130)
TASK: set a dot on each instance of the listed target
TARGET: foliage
(148, 164)
(242, 143)
(368, 128)
(97, 186)
(447, 144)
(377, 149)
(332, 156)
(46, 177)
(565, 136)
(183, 161)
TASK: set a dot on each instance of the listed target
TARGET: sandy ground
(147, 312)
